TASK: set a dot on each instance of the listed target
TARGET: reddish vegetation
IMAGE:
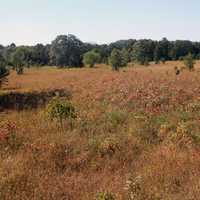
(136, 136)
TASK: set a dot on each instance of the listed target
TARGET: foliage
(124, 57)
(3, 70)
(60, 110)
(116, 117)
(105, 196)
(91, 58)
(39, 55)
(115, 59)
(142, 50)
(20, 59)
(189, 62)
(66, 50)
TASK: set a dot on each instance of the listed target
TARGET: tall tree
(115, 59)
(124, 57)
(20, 59)
(66, 50)
(39, 55)
(3, 70)
(143, 50)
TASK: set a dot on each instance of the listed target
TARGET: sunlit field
(136, 136)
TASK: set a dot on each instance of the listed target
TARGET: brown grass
(136, 135)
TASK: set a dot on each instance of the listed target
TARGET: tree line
(69, 51)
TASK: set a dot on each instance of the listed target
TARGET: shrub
(91, 58)
(116, 118)
(104, 196)
(177, 70)
(189, 62)
(60, 110)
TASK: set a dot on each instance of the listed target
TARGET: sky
(28, 22)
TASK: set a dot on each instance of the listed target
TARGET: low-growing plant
(116, 117)
(60, 110)
(189, 61)
(105, 196)
(177, 70)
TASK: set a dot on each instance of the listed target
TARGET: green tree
(3, 70)
(143, 50)
(18, 60)
(66, 50)
(115, 59)
(124, 57)
(39, 55)
(91, 58)
(189, 61)
(7, 53)
(157, 54)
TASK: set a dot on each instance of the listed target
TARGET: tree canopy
(69, 51)
(66, 50)
(91, 58)
(3, 70)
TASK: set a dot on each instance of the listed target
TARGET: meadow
(136, 136)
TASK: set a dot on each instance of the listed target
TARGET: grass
(136, 136)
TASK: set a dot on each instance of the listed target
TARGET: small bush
(60, 110)
(104, 196)
(4, 72)
(116, 117)
(91, 58)
(177, 70)
(189, 62)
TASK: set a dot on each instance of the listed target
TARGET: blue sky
(102, 21)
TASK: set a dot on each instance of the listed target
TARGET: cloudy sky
(102, 21)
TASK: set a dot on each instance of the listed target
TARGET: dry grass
(141, 122)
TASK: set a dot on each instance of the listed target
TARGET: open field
(137, 136)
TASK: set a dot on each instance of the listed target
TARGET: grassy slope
(137, 134)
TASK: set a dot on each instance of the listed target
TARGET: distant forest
(68, 51)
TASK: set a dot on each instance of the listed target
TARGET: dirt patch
(29, 100)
